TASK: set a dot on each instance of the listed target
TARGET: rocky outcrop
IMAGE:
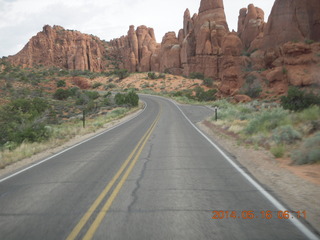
(55, 46)
(292, 20)
(250, 26)
(197, 48)
(136, 49)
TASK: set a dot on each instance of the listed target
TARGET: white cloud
(22, 19)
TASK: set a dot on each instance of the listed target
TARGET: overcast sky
(107, 19)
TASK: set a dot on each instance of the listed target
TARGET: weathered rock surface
(136, 49)
(284, 51)
(250, 25)
(292, 20)
(55, 46)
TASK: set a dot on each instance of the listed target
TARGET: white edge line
(307, 232)
(295, 221)
(67, 149)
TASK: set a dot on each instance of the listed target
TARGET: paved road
(155, 177)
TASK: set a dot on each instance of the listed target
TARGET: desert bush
(266, 121)
(23, 120)
(278, 150)
(202, 95)
(96, 85)
(297, 100)
(61, 94)
(74, 91)
(153, 75)
(309, 152)
(92, 95)
(251, 87)
(110, 86)
(285, 135)
(61, 83)
(121, 73)
(119, 99)
(208, 82)
(131, 99)
(196, 75)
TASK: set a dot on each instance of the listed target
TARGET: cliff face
(283, 51)
(205, 45)
(55, 46)
(292, 20)
(135, 50)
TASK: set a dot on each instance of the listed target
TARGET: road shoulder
(297, 193)
(16, 166)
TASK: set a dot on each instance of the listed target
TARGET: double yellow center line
(133, 157)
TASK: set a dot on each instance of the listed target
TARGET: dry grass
(61, 134)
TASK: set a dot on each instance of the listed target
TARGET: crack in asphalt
(134, 192)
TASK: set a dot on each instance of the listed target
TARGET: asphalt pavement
(154, 177)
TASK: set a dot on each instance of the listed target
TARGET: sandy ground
(296, 186)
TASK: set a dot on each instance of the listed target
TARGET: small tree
(61, 83)
(61, 94)
(297, 100)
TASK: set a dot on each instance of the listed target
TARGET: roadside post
(216, 113)
(84, 118)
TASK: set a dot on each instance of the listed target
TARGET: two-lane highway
(154, 177)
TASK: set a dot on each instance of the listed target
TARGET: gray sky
(107, 19)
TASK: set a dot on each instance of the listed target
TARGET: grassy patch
(60, 134)
(278, 151)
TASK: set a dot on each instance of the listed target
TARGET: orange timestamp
(250, 214)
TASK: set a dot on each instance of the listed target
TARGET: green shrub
(131, 99)
(278, 151)
(266, 121)
(61, 83)
(202, 95)
(286, 135)
(297, 100)
(61, 94)
(110, 86)
(152, 75)
(309, 152)
(96, 85)
(73, 91)
(196, 75)
(92, 95)
(121, 73)
(119, 99)
(309, 41)
(208, 82)
(251, 87)
(23, 120)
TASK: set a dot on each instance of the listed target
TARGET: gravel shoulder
(296, 186)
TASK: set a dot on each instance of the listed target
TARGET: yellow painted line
(93, 228)
(105, 191)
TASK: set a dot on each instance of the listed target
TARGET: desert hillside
(264, 56)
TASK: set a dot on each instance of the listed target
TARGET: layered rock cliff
(55, 46)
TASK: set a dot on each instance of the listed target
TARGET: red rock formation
(250, 24)
(55, 46)
(292, 20)
(136, 49)
(205, 32)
